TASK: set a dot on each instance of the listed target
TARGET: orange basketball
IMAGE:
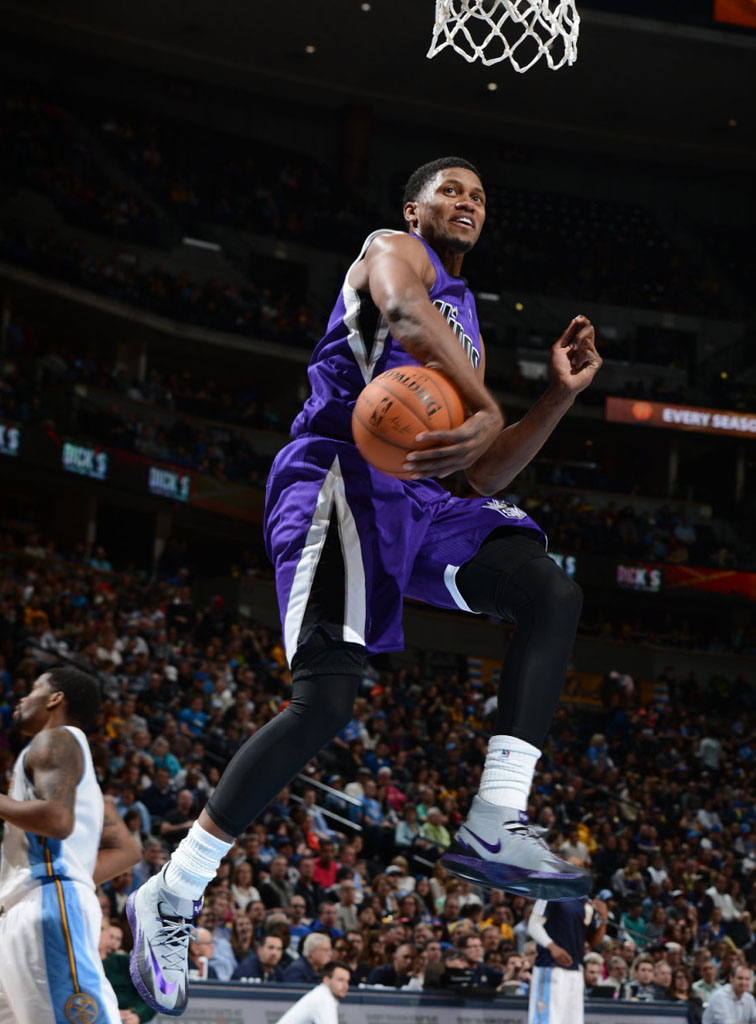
(395, 407)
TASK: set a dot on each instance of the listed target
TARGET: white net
(521, 31)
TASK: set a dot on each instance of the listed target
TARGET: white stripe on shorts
(355, 610)
(450, 579)
(332, 493)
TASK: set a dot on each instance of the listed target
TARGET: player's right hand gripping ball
(398, 405)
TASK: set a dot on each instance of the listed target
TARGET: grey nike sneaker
(161, 924)
(496, 847)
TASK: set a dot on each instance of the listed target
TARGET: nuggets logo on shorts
(505, 508)
(81, 1008)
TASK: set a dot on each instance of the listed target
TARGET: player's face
(452, 209)
(338, 982)
(32, 712)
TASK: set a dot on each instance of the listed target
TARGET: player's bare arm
(601, 918)
(119, 850)
(397, 272)
(54, 763)
(574, 364)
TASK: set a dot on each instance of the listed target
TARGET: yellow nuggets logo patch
(81, 1008)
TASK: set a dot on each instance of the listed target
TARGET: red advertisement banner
(653, 577)
(736, 12)
(671, 416)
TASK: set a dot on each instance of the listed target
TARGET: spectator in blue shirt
(263, 965)
(163, 758)
(315, 954)
(192, 719)
(299, 923)
(127, 801)
(371, 809)
(159, 797)
(397, 974)
(326, 921)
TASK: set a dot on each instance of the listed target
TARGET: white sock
(508, 772)
(194, 863)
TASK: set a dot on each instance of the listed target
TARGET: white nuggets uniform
(50, 918)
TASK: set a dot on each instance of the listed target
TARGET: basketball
(395, 407)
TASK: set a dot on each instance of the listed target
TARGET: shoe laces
(172, 941)
(532, 833)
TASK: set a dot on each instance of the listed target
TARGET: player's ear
(410, 213)
(55, 700)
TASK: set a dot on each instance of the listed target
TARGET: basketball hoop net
(520, 31)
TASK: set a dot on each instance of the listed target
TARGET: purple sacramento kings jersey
(348, 542)
(357, 347)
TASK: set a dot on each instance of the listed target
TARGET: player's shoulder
(399, 243)
(51, 747)
(386, 248)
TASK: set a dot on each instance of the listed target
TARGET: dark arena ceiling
(658, 89)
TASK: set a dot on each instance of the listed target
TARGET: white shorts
(556, 996)
(50, 967)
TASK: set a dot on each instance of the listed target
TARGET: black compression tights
(326, 680)
(513, 578)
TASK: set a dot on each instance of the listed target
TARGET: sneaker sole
(535, 885)
(134, 971)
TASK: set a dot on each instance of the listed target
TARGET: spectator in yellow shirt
(435, 829)
(501, 918)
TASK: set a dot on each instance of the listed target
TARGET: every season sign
(680, 417)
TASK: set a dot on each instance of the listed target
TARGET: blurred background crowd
(656, 797)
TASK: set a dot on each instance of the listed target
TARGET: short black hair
(420, 178)
(81, 691)
(331, 966)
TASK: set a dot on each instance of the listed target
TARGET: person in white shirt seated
(733, 1003)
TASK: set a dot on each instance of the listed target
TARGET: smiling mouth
(465, 222)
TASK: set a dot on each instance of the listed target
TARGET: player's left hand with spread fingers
(574, 359)
(457, 449)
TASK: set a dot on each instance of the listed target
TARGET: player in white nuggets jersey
(557, 990)
(54, 813)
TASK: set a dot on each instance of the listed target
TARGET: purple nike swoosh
(165, 987)
(491, 847)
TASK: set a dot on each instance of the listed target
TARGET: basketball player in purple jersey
(348, 542)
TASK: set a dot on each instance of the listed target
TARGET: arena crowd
(658, 798)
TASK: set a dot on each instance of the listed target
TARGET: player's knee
(326, 676)
(557, 593)
(324, 702)
(540, 587)
(334, 704)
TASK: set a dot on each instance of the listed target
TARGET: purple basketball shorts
(348, 543)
